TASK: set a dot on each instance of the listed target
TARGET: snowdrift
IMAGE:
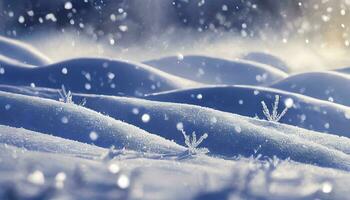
(229, 134)
(77, 123)
(121, 135)
(41, 175)
(34, 141)
(330, 86)
(21, 52)
(98, 76)
(267, 59)
(305, 112)
(218, 71)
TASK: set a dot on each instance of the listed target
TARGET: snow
(267, 59)
(21, 52)
(88, 75)
(211, 70)
(229, 135)
(75, 122)
(306, 112)
(335, 90)
(183, 127)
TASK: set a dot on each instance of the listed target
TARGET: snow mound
(5, 61)
(218, 71)
(345, 70)
(281, 180)
(34, 141)
(267, 59)
(304, 111)
(41, 175)
(99, 76)
(77, 123)
(22, 52)
(329, 86)
(229, 134)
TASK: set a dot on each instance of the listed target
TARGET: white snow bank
(229, 134)
(77, 123)
(38, 175)
(218, 71)
(304, 111)
(35, 141)
(329, 86)
(5, 61)
(267, 59)
(98, 76)
(22, 52)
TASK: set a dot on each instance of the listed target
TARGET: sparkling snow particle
(37, 178)
(11, 14)
(68, 5)
(21, 19)
(61, 176)
(51, 17)
(327, 187)
(240, 102)
(111, 41)
(123, 181)
(93, 135)
(64, 70)
(2, 70)
(179, 126)
(64, 120)
(199, 96)
(326, 125)
(326, 18)
(7, 107)
(347, 115)
(87, 86)
(32, 85)
(213, 120)
(30, 13)
(238, 129)
(59, 179)
(289, 102)
(113, 17)
(342, 12)
(113, 168)
(111, 75)
(123, 28)
(135, 111)
(180, 56)
(256, 92)
(145, 118)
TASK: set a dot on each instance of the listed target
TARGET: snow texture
(218, 71)
(95, 128)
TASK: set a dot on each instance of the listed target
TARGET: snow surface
(117, 132)
(333, 87)
(267, 59)
(21, 52)
(218, 71)
(98, 76)
(305, 112)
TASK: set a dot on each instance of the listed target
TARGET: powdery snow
(94, 128)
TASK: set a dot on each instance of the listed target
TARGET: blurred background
(308, 34)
